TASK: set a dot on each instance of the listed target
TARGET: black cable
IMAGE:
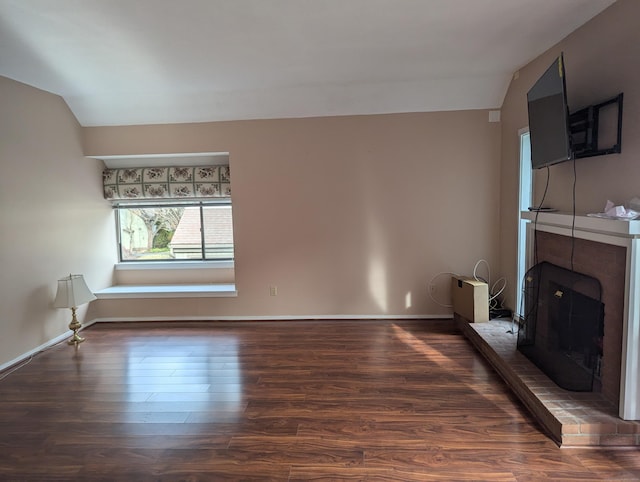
(527, 319)
(535, 220)
(573, 219)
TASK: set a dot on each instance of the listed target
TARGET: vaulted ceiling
(118, 62)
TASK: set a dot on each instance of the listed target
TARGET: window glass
(170, 232)
(218, 232)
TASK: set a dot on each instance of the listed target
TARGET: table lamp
(73, 292)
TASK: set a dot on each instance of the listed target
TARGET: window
(175, 231)
(525, 201)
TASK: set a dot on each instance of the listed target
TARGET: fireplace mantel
(590, 224)
(619, 233)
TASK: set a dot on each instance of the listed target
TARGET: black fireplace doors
(563, 325)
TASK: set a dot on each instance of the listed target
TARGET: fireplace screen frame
(562, 329)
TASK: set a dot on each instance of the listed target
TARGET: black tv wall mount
(584, 125)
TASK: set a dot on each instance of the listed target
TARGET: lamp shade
(72, 292)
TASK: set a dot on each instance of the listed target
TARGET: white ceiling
(118, 62)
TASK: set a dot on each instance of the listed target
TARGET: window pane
(147, 233)
(218, 232)
(187, 240)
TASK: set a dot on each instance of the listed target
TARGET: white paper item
(619, 212)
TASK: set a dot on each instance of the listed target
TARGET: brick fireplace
(607, 263)
(608, 250)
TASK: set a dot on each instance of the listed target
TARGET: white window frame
(197, 263)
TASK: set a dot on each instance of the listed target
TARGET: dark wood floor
(369, 400)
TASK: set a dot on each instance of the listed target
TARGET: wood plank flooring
(326, 400)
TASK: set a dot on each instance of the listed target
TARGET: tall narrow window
(524, 202)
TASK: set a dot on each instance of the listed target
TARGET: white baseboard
(274, 318)
(54, 341)
(86, 324)
(36, 350)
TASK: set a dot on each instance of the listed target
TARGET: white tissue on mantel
(616, 212)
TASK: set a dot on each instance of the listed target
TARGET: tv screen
(549, 118)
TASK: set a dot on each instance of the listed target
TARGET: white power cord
(27, 361)
(492, 291)
(17, 367)
(493, 288)
(475, 271)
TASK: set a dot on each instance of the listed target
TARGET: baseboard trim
(86, 324)
(45, 346)
(273, 318)
(35, 351)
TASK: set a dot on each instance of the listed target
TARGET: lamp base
(75, 325)
(75, 339)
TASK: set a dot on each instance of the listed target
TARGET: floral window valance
(167, 182)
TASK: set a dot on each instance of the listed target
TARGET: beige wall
(53, 220)
(345, 215)
(601, 59)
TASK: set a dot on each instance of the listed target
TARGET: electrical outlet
(273, 290)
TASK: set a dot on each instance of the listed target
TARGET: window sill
(168, 291)
(151, 265)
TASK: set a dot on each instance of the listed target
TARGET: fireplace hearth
(609, 250)
(563, 326)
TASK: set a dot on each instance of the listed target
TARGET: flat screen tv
(549, 118)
